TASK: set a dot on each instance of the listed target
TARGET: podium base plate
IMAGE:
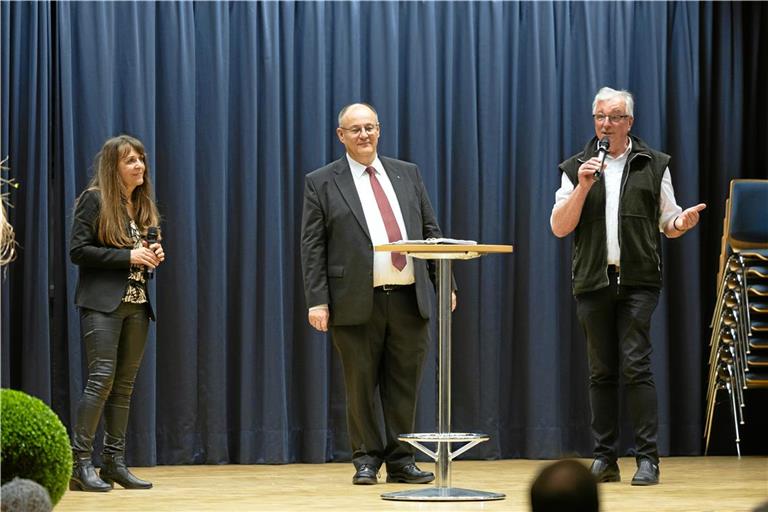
(442, 494)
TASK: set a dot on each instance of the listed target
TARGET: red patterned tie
(390, 223)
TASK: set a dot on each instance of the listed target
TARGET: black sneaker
(605, 471)
(647, 473)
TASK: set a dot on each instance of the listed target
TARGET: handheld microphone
(602, 152)
(153, 234)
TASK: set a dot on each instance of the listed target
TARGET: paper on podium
(440, 249)
(451, 241)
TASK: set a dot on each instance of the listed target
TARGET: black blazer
(336, 248)
(103, 270)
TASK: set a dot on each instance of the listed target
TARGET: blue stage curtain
(237, 101)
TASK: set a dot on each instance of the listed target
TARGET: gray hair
(606, 93)
(344, 110)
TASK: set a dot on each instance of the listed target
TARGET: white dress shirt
(383, 270)
(612, 173)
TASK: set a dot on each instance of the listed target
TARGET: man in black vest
(617, 215)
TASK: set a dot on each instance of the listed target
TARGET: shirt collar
(626, 151)
(358, 169)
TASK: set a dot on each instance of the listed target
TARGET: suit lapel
(346, 185)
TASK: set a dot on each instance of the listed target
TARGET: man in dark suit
(376, 304)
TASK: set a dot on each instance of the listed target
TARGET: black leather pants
(114, 344)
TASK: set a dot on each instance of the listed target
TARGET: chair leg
(710, 415)
(720, 293)
(738, 391)
(719, 377)
(713, 360)
(735, 420)
(746, 298)
(739, 362)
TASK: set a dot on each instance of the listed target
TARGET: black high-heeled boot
(113, 469)
(84, 477)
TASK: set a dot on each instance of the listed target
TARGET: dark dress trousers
(382, 338)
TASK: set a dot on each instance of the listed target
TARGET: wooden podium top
(446, 251)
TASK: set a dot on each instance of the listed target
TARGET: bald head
(344, 110)
(359, 132)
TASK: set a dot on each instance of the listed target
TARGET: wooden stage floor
(687, 484)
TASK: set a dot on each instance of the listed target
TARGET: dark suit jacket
(103, 270)
(336, 248)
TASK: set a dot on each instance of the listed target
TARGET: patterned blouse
(136, 291)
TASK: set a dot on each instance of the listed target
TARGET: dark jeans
(114, 344)
(617, 323)
(386, 353)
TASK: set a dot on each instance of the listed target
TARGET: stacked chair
(739, 343)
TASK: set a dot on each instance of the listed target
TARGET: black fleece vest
(639, 212)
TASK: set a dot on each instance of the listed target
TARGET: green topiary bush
(33, 443)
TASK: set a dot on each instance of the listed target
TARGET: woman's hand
(146, 256)
(158, 250)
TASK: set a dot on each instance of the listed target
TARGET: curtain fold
(237, 101)
(27, 114)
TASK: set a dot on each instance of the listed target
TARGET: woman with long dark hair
(108, 245)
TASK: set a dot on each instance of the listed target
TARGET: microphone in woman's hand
(153, 236)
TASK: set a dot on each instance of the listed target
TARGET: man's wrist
(674, 225)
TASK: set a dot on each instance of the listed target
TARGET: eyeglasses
(614, 118)
(370, 129)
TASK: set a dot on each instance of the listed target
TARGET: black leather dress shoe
(647, 473)
(409, 474)
(605, 471)
(365, 475)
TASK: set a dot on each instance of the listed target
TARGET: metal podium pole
(442, 466)
(442, 491)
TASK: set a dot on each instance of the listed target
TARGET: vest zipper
(624, 179)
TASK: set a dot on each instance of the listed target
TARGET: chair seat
(761, 290)
(758, 343)
(726, 357)
(757, 361)
(757, 271)
(756, 380)
(756, 254)
(758, 307)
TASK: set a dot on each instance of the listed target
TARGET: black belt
(389, 288)
(613, 269)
